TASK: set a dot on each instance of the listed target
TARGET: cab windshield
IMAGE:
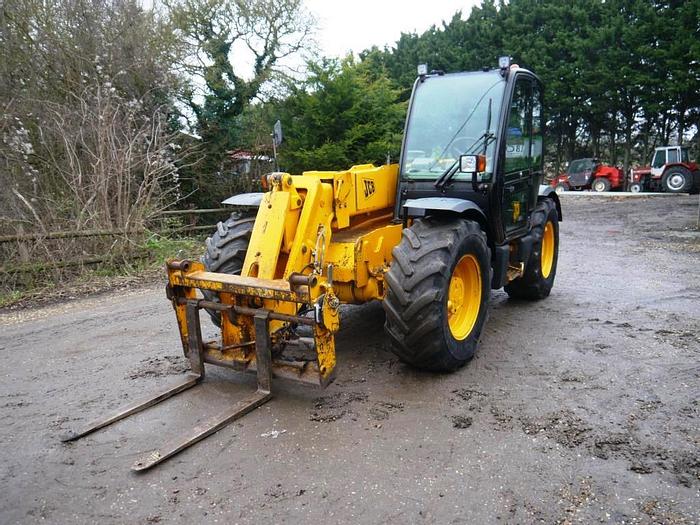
(449, 115)
(581, 166)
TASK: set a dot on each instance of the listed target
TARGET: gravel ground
(582, 408)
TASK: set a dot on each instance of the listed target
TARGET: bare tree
(120, 165)
(237, 51)
(236, 46)
(87, 139)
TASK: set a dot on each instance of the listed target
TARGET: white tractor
(670, 171)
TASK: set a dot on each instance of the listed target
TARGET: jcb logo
(516, 211)
(369, 187)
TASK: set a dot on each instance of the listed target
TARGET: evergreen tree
(345, 114)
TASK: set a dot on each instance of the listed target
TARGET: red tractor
(589, 173)
(670, 170)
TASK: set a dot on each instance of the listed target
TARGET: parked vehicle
(589, 173)
(670, 171)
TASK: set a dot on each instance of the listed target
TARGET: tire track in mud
(354, 405)
(572, 431)
(633, 434)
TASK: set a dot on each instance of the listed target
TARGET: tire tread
(531, 286)
(226, 250)
(414, 283)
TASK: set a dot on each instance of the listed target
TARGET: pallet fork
(187, 307)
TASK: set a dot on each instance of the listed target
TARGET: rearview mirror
(472, 163)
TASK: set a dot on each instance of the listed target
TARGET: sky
(355, 25)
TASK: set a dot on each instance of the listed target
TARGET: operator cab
(580, 172)
(668, 155)
(473, 145)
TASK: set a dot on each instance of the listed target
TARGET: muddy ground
(581, 408)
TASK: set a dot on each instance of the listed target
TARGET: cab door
(523, 156)
(658, 163)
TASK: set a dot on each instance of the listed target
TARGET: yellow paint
(464, 297)
(547, 255)
(275, 289)
(360, 257)
(325, 350)
(266, 239)
(516, 210)
(181, 312)
(234, 333)
(331, 315)
(306, 223)
(314, 217)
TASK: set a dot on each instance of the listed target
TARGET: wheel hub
(676, 181)
(464, 297)
(547, 255)
(456, 299)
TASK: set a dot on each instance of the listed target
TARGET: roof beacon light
(422, 70)
(504, 62)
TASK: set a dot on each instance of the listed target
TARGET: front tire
(438, 288)
(541, 268)
(226, 250)
(600, 185)
(636, 187)
(677, 180)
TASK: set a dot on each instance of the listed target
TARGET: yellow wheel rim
(547, 256)
(464, 297)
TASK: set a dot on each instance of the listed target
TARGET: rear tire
(438, 288)
(538, 278)
(226, 251)
(677, 180)
(600, 185)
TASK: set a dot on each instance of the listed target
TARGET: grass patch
(10, 298)
(162, 248)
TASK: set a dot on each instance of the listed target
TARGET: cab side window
(537, 130)
(519, 132)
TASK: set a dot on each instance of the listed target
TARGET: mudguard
(420, 207)
(244, 199)
(547, 192)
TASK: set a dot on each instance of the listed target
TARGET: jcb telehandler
(462, 213)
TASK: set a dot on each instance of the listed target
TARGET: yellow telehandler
(462, 213)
